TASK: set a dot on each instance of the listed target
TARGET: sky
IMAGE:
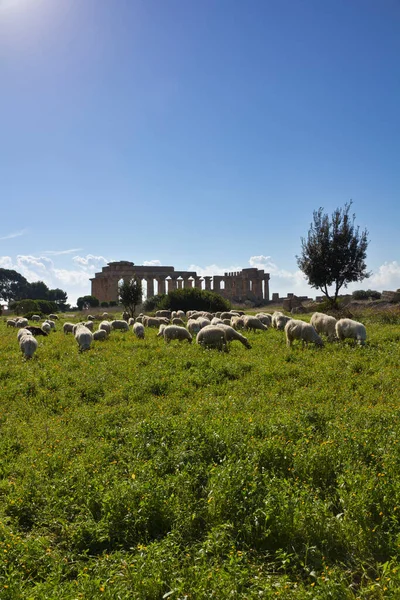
(199, 135)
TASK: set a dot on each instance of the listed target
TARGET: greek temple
(247, 284)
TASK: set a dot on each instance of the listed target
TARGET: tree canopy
(334, 252)
(85, 302)
(130, 293)
(14, 287)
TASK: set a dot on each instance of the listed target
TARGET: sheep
(84, 337)
(279, 320)
(131, 321)
(22, 332)
(120, 324)
(35, 318)
(226, 322)
(237, 322)
(253, 323)
(90, 318)
(106, 326)
(193, 326)
(46, 327)
(11, 322)
(300, 330)
(154, 321)
(324, 324)
(163, 313)
(178, 321)
(212, 336)
(28, 345)
(265, 318)
(125, 315)
(68, 327)
(21, 322)
(89, 325)
(161, 330)
(175, 332)
(347, 328)
(216, 321)
(53, 317)
(51, 323)
(104, 315)
(173, 315)
(203, 321)
(100, 335)
(232, 335)
(36, 330)
(180, 314)
(138, 330)
(139, 319)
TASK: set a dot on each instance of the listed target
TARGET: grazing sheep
(347, 328)
(21, 332)
(11, 322)
(51, 323)
(237, 322)
(84, 337)
(120, 324)
(324, 324)
(178, 321)
(265, 318)
(203, 321)
(28, 345)
(175, 332)
(193, 326)
(180, 314)
(139, 319)
(163, 313)
(100, 335)
(155, 321)
(68, 327)
(53, 317)
(89, 325)
(138, 330)
(90, 317)
(212, 336)
(300, 330)
(21, 322)
(106, 326)
(125, 316)
(279, 320)
(161, 330)
(36, 330)
(35, 318)
(46, 327)
(131, 321)
(253, 323)
(216, 321)
(233, 335)
(105, 314)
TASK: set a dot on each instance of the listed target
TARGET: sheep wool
(120, 324)
(138, 330)
(175, 332)
(212, 336)
(28, 345)
(100, 335)
(232, 335)
(347, 328)
(253, 323)
(324, 324)
(300, 330)
(84, 337)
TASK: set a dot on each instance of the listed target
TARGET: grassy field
(145, 471)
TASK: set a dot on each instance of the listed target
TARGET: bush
(153, 302)
(193, 299)
(104, 304)
(113, 303)
(366, 295)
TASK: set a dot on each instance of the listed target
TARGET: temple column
(197, 282)
(207, 280)
(187, 283)
(217, 283)
(161, 285)
(172, 284)
(266, 288)
(150, 286)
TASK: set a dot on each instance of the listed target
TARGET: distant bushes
(366, 295)
(188, 299)
(38, 307)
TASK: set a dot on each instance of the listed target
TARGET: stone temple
(248, 284)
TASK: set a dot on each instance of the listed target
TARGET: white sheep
(180, 314)
(28, 345)
(253, 323)
(178, 321)
(35, 318)
(237, 322)
(212, 336)
(106, 326)
(193, 326)
(120, 324)
(68, 327)
(100, 335)
(265, 318)
(163, 313)
(22, 332)
(89, 325)
(84, 337)
(216, 321)
(279, 320)
(347, 328)
(21, 322)
(53, 317)
(131, 321)
(324, 324)
(11, 322)
(174, 332)
(46, 327)
(90, 317)
(233, 335)
(138, 330)
(51, 323)
(300, 330)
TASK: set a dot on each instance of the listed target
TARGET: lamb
(212, 336)
(84, 337)
(120, 324)
(100, 335)
(300, 330)
(347, 328)
(68, 327)
(46, 327)
(324, 324)
(279, 320)
(232, 335)
(138, 330)
(36, 330)
(106, 326)
(253, 323)
(28, 345)
(175, 332)
(35, 318)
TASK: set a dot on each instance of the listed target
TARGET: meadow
(145, 471)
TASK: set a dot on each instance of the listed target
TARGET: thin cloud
(152, 263)
(59, 252)
(15, 234)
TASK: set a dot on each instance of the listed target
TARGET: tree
(85, 302)
(130, 293)
(13, 285)
(59, 297)
(334, 252)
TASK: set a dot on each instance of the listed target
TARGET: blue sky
(201, 135)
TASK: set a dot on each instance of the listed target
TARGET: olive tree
(334, 252)
(130, 293)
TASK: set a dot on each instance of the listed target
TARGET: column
(207, 280)
(197, 282)
(150, 287)
(187, 283)
(266, 288)
(172, 284)
(161, 285)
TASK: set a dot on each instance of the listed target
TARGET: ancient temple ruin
(247, 284)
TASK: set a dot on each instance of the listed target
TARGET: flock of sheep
(211, 330)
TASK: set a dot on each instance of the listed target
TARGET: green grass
(143, 470)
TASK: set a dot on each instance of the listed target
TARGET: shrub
(153, 302)
(104, 304)
(194, 299)
(113, 303)
(366, 295)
